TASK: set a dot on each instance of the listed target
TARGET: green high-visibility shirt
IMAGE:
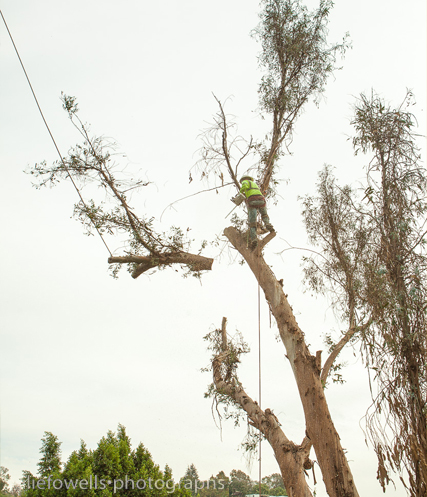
(250, 188)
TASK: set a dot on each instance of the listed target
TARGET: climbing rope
(259, 380)
(259, 363)
(50, 133)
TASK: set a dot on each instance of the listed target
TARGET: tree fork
(321, 431)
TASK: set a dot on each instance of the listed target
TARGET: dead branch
(225, 144)
(193, 195)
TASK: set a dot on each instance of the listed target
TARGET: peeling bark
(306, 368)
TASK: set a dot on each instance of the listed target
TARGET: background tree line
(236, 483)
(114, 459)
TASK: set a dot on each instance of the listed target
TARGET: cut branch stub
(224, 333)
(266, 239)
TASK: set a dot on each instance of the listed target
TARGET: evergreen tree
(191, 479)
(216, 486)
(274, 484)
(240, 482)
(113, 468)
(50, 461)
(4, 478)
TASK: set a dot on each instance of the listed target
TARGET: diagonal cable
(50, 133)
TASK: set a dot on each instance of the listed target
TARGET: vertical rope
(259, 363)
(259, 378)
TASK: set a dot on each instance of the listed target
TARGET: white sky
(81, 352)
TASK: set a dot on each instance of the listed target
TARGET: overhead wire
(102, 238)
(50, 133)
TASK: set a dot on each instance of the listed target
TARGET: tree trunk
(306, 368)
(290, 457)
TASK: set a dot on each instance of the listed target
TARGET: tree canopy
(4, 480)
(113, 468)
(370, 243)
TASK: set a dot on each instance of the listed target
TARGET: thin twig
(194, 194)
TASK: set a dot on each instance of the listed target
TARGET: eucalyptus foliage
(236, 348)
(296, 60)
(373, 267)
(95, 162)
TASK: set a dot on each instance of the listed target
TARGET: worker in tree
(255, 201)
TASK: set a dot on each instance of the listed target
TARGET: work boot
(270, 227)
(253, 244)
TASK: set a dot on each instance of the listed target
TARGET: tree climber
(255, 201)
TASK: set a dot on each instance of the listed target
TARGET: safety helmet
(246, 176)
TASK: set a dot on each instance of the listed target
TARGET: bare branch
(193, 195)
(225, 145)
(337, 349)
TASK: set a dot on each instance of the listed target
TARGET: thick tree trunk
(306, 368)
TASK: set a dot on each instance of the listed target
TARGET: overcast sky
(81, 352)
